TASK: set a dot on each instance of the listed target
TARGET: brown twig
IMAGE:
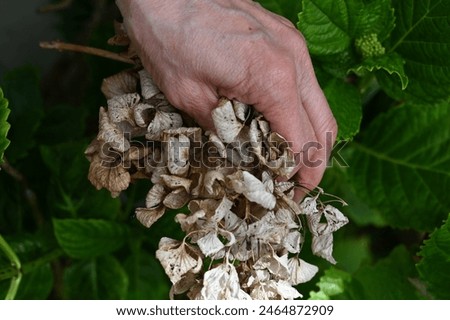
(51, 7)
(63, 46)
(29, 194)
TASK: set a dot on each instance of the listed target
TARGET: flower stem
(15, 263)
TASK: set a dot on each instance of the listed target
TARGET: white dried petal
(175, 182)
(211, 182)
(111, 134)
(148, 216)
(267, 181)
(148, 87)
(284, 186)
(335, 219)
(178, 155)
(241, 110)
(225, 121)
(263, 126)
(155, 196)
(292, 241)
(264, 291)
(210, 244)
(120, 108)
(222, 283)
(277, 266)
(252, 188)
(163, 121)
(119, 84)
(274, 290)
(177, 199)
(222, 209)
(309, 206)
(142, 113)
(188, 222)
(286, 291)
(301, 271)
(322, 246)
(215, 140)
(285, 218)
(175, 260)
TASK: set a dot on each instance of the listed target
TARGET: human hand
(199, 51)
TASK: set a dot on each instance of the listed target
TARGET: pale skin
(200, 50)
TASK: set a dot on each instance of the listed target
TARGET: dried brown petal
(119, 84)
(115, 178)
(111, 134)
(120, 108)
(143, 113)
(175, 182)
(148, 216)
(155, 196)
(176, 199)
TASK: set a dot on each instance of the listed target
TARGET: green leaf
(331, 284)
(377, 17)
(392, 63)
(345, 102)
(4, 125)
(336, 181)
(326, 25)
(435, 264)
(147, 277)
(388, 279)
(89, 238)
(21, 86)
(99, 278)
(286, 8)
(37, 284)
(421, 37)
(401, 166)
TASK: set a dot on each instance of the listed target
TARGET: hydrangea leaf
(21, 86)
(377, 16)
(147, 279)
(326, 25)
(401, 166)
(421, 38)
(435, 263)
(93, 279)
(391, 63)
(345, 102)
(4, 125)
(389, 279)
(331, 284)
(89, 238)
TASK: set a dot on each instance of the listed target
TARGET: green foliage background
(62, 239)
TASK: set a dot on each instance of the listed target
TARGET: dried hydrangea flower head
(241, 219)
